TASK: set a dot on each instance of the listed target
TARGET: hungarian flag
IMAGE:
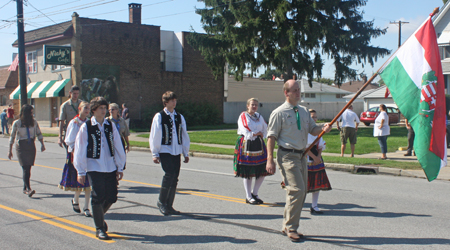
(414, 77)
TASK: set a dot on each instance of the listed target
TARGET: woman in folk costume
(69, 177)
(250, 155)
(317, 177)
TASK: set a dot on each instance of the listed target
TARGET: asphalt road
(361, 212)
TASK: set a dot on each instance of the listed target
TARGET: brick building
(129, 63)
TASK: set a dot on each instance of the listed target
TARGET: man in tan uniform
(69, 110)
(289, 125)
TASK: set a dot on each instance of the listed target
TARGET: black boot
(171, 198)
(99, 220)
(162, 201)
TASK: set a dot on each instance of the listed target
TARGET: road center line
(53, 223)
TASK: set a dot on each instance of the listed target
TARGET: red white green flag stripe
(414, 78)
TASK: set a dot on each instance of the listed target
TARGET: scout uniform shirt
(69, 110)
(283, 126)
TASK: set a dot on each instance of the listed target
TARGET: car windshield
(373, 109)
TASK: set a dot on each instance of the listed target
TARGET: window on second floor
(163, 60)
(58, 67)
(31, 62)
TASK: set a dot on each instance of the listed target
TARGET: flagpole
(340, 113)
(435, 11)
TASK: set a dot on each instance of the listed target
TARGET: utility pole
(21, 45)
(399, 31)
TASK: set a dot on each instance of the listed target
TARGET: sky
(179, 15)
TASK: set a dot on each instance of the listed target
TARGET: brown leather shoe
(293, 235)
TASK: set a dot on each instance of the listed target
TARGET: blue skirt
(69, 180)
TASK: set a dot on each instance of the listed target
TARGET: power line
(127, 9)
(42, 13)
(168, 15)
(6, 4)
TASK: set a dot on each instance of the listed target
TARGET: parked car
(369, 116)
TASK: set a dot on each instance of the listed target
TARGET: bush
(195, 114)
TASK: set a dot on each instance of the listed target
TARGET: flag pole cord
(340, 113)
(435, 11)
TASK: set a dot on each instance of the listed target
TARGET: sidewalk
(395, 156)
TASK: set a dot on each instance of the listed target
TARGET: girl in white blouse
(250, 152)
(24, 132)
(69, 177)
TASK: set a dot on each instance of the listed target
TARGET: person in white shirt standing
(168, 140)
(350, 122)
(99, 154)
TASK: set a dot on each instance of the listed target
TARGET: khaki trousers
(294, 172)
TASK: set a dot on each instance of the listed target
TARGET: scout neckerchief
(298, 118)
(71, 104)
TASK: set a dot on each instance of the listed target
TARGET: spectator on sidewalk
(289, 125)
(4, 120)
(126, 114)
(411, 136)
(381, 130)
(10, 113)
(68, 110)
(120, 124)
(350, 122)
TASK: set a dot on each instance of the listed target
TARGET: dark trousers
(411, 136)
(171, 165)
(26, 177)
(382, 140)
(104, 187)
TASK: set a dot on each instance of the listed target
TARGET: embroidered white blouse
(249, 126)
(106, 163)
(156, 136)
(72, 131)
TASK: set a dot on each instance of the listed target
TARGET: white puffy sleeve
(243, 127)
(71, 135)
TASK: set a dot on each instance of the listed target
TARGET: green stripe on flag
(407, 97)
(43, 93)
(30, 92)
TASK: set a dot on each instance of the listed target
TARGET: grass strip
(372, 162)
(49, 135)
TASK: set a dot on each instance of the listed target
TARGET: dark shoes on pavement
(315, 211)
(101, 234)
(257, 199)
(76, 207)
(29, 192)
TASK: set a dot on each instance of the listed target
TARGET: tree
(268, 74)
(290, 35)
(324, 80)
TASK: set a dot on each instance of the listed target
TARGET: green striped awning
(42, 89)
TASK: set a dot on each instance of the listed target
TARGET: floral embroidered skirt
(69, 180)
(250, 158)
(317, 178)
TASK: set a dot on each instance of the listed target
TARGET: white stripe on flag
(411, 55)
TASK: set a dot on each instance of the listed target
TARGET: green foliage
(268, 74)
(289, 35)
(195, 114)
(324, 80)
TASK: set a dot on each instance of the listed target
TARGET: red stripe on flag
(244, 121)
(426, 36)
(386, 95)
(14, 64)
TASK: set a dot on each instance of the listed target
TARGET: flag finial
(435, 11)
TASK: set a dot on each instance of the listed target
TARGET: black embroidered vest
(167, 125)
(95, 139)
